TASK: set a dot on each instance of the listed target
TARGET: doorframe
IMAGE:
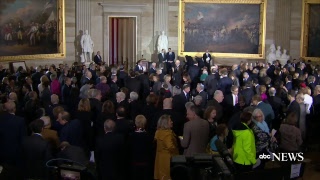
(135, 40)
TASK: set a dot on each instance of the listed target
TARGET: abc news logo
(284, 157)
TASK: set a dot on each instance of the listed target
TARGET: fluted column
(83, 15)
(161, 11)
(282, 23)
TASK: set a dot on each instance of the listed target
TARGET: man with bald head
(11, 138)
(177, 118)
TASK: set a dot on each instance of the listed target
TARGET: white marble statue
(162, 42)
(87, 46)
(278, 52)
(284, 55)
(272, 54)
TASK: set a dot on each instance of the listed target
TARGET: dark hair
(208, 111)
(220, 129)
(291, 119)
(121, 111)
(245, 117)
(27, 86)
(108, 107)
(289, 77)
(36, 126)
(151, 99)
(196, 110)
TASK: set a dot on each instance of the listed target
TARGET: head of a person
(67, 81)
(167, 78)
(245, 117)
(177, 62)
(140, 122)
(63, 117)
(262, 89)
(186, 88)
(292, 119)
(169, 49)
(109, 125)
(197, 100)
(256, 99)
(36, 126)
(47, 122)
(167, 103)
(235, 90)
(53, 76)
(222, 130)
(95, 93)
(54, 99)
(164, 122)
(10, 107)
(300, 98)
(272, 91)
(200, 87)
(134, 96)
(103, 79)
(43, 79)
(218, 96)
(176, 90)
(151, 99)
(121, 112)
(317, 90)
(210, 113)
(56, 111)
(291, 95)
(120, 96)
(258, 115)
(108, 107)
(84, 105)
(193, 112)
(13, 96)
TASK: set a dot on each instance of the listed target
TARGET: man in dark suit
(194, 73)
(110, 153)
(35, 152)
(225, 82)
(256, 86)
(265, 108)
(98, 59)
(277, 106)
(12, 130)
(162, 57)
(211, 84)
(294, 106)
(132, 83)
(231, 100)
(177, 74)
(200, 62)
(138, 67)
(71, 130)
(122, 102)
(207, 59)
(289, 82)
(216, 102)
(153, 68)
(195, 133)
(36, 77)
(247, 93)
(203, 94)
(113, 88)
(123, 126)
(246, 78)
(170, 59)
(65, 92)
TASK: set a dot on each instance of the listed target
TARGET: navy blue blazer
(171, 57)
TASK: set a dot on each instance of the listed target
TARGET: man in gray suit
(195, 133)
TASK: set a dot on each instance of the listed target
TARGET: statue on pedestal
(87, 46)
(272, 54)
(278, 52)
(162, 42)
(284, 55)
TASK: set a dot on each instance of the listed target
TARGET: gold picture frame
(305, 29)
(56, 21)
(260, 45)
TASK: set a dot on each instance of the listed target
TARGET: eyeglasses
(257, 116)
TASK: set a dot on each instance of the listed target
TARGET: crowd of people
(128, 125)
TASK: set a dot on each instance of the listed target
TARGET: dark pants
(242, 168)
(169, 67)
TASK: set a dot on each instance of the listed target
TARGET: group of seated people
(128, 125)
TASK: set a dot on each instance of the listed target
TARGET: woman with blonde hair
(44, 79)
(167, 147)
(84, 115)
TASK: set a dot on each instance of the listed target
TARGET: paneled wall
(283, 27)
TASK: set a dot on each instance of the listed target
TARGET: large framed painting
(31, 29)
(229, 28)
(310, 36)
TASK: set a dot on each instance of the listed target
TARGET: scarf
(263, 126)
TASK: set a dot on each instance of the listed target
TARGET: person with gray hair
(277, 107)
(136, 106)
(203, 94)
(48, 134)
(134, 96)
(216, 102)
(197, 101)
(103, 87)
(303, 114)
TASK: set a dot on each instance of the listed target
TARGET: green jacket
(244, 148)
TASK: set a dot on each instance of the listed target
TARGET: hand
(180, 137)
(273, 139)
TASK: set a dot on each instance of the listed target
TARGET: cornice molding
(122, 7)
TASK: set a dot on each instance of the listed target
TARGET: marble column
(282, 22)
(83, 15)
(161, 10)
